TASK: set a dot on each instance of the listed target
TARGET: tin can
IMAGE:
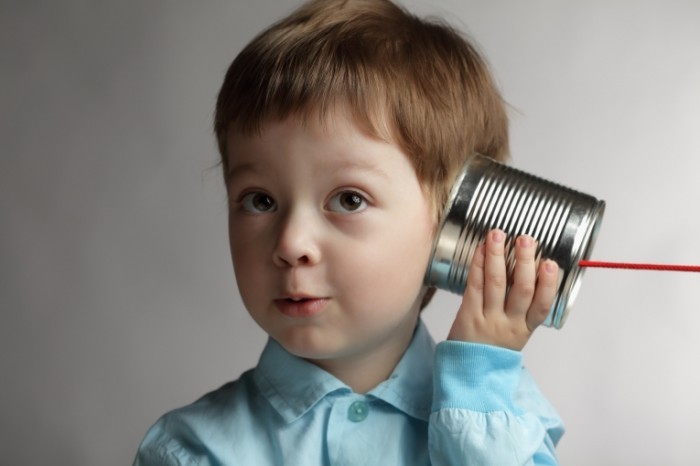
(487, 195)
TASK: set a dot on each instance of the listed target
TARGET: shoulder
(188, 435)
(212, 408)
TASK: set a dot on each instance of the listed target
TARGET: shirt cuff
(475, 376)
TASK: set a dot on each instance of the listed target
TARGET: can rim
(571, 282)
(454, 191)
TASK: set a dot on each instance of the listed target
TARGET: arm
(486, 408)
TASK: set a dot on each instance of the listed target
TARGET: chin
(309, 343)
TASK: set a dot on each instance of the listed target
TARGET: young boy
(341, 129)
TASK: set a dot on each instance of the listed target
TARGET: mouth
(300, 306)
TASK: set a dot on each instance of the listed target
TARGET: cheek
(249, 239)
(389, 270)
(247, 266)
(246, 276)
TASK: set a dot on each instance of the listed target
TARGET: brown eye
(258, 203)
(347, 202)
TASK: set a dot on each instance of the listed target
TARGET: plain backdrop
(117, 296)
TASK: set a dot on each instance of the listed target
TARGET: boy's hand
(487, 315)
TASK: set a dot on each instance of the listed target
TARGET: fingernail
(498, 236)
(550, 266)
(525, 241)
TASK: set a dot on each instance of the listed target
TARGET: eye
(258, 203)
(347, 201)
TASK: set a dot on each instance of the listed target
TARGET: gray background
(117, 296)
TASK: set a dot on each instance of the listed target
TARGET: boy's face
(330, 234)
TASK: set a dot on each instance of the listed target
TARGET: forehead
(333, 138)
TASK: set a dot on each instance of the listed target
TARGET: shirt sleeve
(487, 410)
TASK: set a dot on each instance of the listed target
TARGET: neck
(364, 371)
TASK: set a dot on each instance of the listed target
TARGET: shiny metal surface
(488, 195)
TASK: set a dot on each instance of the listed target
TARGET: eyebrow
(238, 169)
(343, 165)
(365, 166)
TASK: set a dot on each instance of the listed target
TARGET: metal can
(488, 195)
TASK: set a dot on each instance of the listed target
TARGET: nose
(297, 242)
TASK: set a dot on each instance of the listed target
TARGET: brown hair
(417, 83)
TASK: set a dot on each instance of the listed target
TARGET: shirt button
(358, 411)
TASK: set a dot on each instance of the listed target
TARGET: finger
(547, 284)
(522, 289)
(474, 295)
(495, 280)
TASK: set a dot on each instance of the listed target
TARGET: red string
(627, 265)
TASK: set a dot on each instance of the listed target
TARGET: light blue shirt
(476, 406)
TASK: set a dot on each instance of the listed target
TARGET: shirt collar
(410, 386)
(293, 386)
